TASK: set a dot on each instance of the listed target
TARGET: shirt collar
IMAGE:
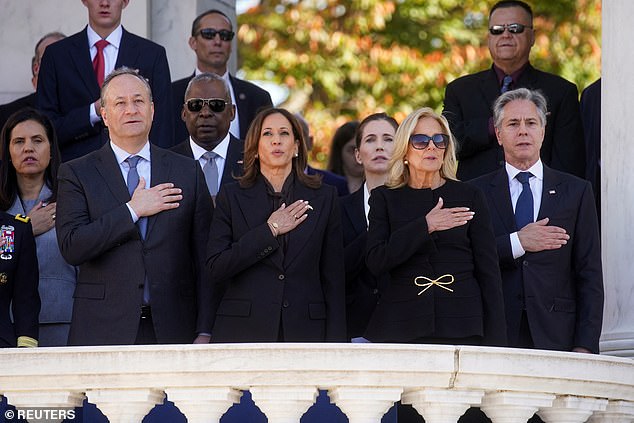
(221, 149)
(114, 38)
(515, 75)
(537, 170)
(121, 155)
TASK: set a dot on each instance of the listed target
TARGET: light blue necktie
(210, 170)
(132, 182)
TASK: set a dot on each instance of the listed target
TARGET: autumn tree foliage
(344, 59)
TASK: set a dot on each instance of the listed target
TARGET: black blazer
(95, 232)
(18, 284)
(249, 100)
(301, 291)
(562, 289)
(233, 163)
(469, 106)
(330, 178)
(8, 109)
(591, 116)
(67, 86)
(362, 287)
(399, 243)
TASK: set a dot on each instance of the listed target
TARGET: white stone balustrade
(364, 380)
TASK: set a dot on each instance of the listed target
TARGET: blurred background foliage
(344, 59)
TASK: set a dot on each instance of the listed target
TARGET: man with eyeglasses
(73, 70)
(207, 114)
(469, 99)
(211, 36)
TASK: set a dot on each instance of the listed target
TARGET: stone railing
(364, 380)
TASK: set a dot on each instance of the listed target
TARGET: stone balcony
(364, 380)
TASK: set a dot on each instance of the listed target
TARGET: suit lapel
(490, 86)
(233, 163)
(160, 171)
(299, 236)
(501, 197)
(107, 166)
(551, 195)
(80, 55)
(355, 209)
(128, 51)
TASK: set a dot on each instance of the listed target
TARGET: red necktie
(99, 63)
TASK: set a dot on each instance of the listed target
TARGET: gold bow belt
(439, 282)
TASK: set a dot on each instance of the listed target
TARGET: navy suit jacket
(562, 290)
(95, 232)
(299, 288)
(249, 100)
(233, 162)
(67, 86)
(591, 116)
(8, 109)
(330, 178)
(469, 106)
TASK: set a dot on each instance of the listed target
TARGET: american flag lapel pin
(552, 192)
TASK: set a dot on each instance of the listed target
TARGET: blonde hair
(398, 175)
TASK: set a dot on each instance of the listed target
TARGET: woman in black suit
(374, 142)
(433, 235)
(275, 244)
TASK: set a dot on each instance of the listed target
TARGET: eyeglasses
(513, 28)
(421, 141)
(210, 34)
(216, 105)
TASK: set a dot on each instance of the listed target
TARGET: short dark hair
(375, 116)
(196, 23)
(8, 181)
(512, 3)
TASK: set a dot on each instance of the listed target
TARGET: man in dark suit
(30, 100)
(207, 114)
(591, 118)
(547, 236)
(210, 39)
(468, 99)
(72, 71)
(135, 219)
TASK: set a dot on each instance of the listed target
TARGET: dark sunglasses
(421, 141)
(216, 105)
(210, 34)
(513, 28)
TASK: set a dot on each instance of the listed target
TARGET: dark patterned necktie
(506, 83)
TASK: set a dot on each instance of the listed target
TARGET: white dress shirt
(110, 53)
(143, 167)
(221, 155)
(515, 188)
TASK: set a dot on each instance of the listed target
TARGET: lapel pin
(552, 192)
(242, 96)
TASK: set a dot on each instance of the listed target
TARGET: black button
(140, 286)
(285, 304)
(375, 291)
(281, 277)
(525, 263)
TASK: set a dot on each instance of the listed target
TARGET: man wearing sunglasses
(211, 38)
(73, 69)
(208, 113)
(469, 99)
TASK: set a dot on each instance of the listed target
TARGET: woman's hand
(285, 219)
(42, 217)
(439, 219)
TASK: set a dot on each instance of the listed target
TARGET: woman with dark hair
(342, 159)
(374, 143)
(434, 237)
(275, 244)
(29, 159)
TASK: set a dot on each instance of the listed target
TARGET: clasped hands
(440, 219)
(150, 201)
(285, 219)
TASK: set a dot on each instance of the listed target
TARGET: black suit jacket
(233, 163)
(18, 284)
(591, 117)
(67, 86)
(562, 290)
(8, 109)
(469, 106)
(399, 243)
(95, 232)
(300, 290)
(249, 100)
(362, 287)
